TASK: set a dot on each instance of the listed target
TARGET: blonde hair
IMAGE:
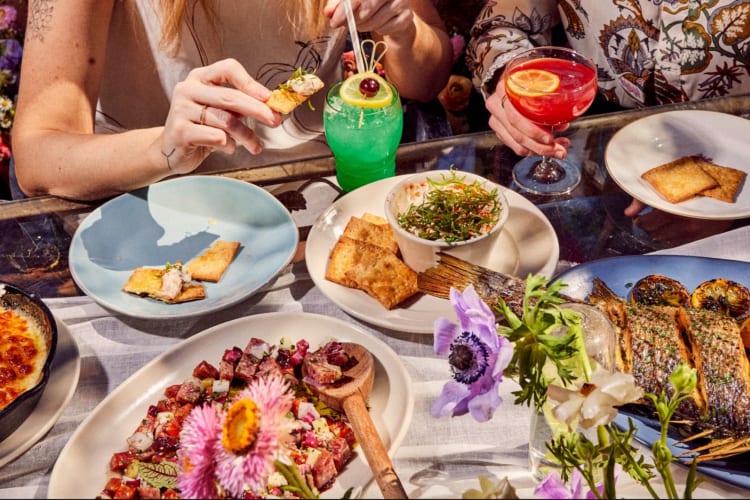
(305, 16)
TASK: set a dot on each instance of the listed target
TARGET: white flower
(594, 403)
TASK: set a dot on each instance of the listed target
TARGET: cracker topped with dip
(175, 283)
(296, 90)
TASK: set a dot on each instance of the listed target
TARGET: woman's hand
(385, 17)
(207, 113)
(519, 133)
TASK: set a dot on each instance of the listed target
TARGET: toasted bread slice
(377, 234)
(285, 98)
(730, 181)
(680, 179)
(147, 282)
(210, 265)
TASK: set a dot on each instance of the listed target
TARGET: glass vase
(601, 343)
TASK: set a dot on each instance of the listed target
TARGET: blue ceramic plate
(176, 220)
(620, 273)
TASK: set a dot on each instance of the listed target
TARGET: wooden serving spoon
(350, 398)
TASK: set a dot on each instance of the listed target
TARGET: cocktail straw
(358, 57)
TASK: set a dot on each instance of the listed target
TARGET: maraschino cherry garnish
(369, 87)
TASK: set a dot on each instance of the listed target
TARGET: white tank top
(139, 77)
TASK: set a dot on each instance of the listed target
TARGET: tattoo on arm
(39, 20)
(167, 155)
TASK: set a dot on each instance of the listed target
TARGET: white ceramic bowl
(420, 253)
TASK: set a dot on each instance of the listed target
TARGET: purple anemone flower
(553, 487)
(477, 356)
(10, 54)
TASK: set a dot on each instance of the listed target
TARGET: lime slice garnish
(532, 82)
(351, 94)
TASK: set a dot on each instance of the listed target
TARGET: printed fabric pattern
(648, 52)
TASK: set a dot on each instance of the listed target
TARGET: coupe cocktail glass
(550, 86)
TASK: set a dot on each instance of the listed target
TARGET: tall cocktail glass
(550, 86)
(362, 134)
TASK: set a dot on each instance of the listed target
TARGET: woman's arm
(419, 57)
(54, 145)
(54, 148)
(500, 31)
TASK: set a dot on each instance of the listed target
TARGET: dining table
(437, 457)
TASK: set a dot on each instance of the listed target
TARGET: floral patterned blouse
(648, 51)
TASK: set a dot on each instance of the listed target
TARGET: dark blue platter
(620, 273)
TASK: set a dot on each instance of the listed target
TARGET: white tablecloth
(438, 458)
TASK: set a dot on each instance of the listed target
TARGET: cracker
(377, 234)
(375, 219)
(343, 256)
(210, 265)
(730, 181)
(373, 269)
(680, 179)
(284, 101)
(387, 279)
(146, 282)
(382, 275)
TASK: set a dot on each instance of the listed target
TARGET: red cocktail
(550, 86)
(571, 96)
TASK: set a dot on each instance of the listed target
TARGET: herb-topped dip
(449, 208)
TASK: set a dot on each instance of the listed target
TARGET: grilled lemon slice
(722, 295)
(745, 332)
(659, 290)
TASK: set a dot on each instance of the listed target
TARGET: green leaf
(159, 475)
(545, 334)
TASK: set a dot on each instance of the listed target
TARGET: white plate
(81, 468)
(177, 220)
(61, 385)
(527, 244)
(663, 137)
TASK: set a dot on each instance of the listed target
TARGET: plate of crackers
(692, 163)
(353, 258)
(182, 247)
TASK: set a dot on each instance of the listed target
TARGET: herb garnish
(298, 73)
(453, 210)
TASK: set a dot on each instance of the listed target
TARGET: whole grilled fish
(653, 339)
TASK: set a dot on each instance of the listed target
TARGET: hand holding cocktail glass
(551, 86)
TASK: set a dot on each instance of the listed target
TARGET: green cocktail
(364, 137)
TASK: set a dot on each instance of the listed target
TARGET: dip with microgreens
(439, 211)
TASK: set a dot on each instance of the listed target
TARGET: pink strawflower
(245, 460)
(7, 16)
(200, 436)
